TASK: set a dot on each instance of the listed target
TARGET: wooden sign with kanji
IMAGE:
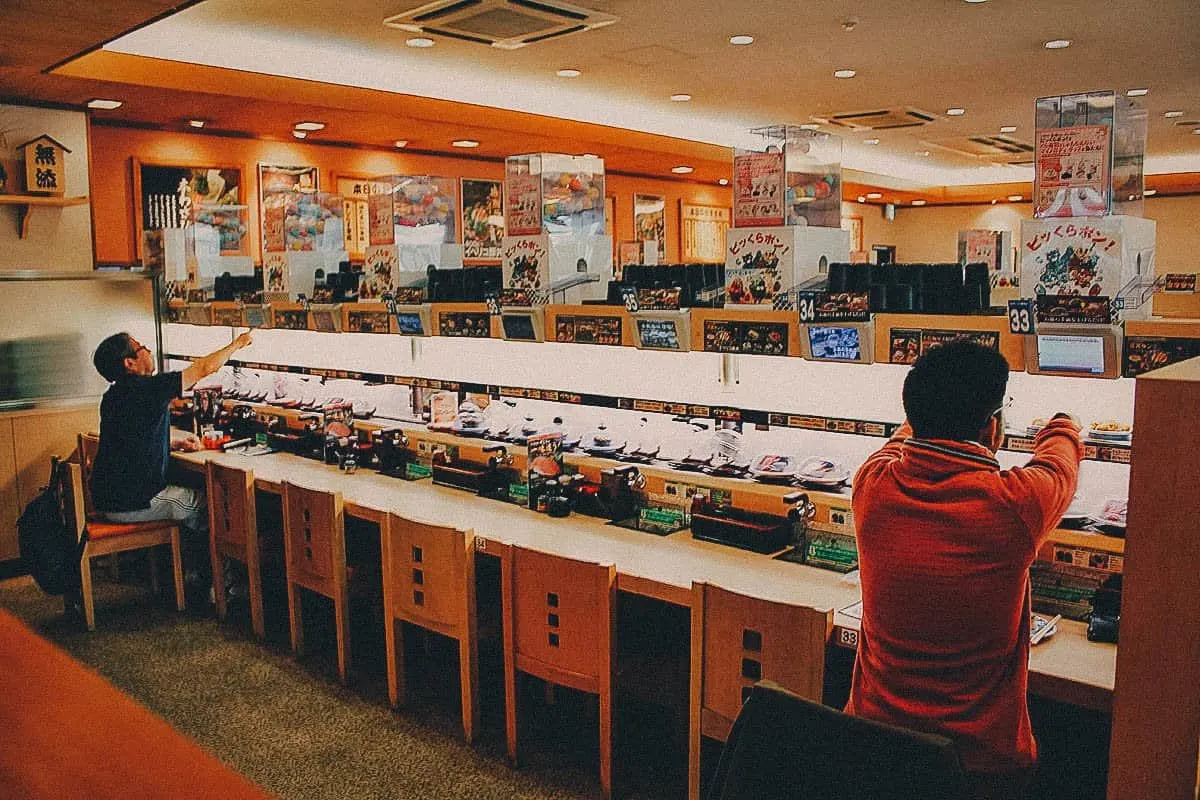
(45, 166)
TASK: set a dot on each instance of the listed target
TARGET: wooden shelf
(25, 204)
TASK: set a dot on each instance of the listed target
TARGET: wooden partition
(1156, 709)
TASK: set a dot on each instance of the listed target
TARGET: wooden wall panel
(10, 505)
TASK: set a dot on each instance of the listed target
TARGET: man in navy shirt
(129, 476)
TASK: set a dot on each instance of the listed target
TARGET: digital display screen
(323, 321)
(658, 334)
(255, 318)
(835, 343)
(518, 326)
(1080, 354)
(410, 324)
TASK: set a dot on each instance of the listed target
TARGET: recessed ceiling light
(681, 170)
(419, 41)
(1057, 44)
(976, 1)
(402, 143)
(309, 126)
(300, 134)
(809, 126)
(196, 123)
(741, 39)
(918, 202)
(1008, 128)
(1137, 93)
(955, 112)
(1014, 198)
(1150, 193)
(874, 195)
(1172, 114)
(568, 73)
(465, 143)
(723, 181)
(590, 155)
(681, 98)
(844, 73)
(1196, 130)
(995, 201)
(105, 105)
(924, 153)
(862, 199)
(870, 141)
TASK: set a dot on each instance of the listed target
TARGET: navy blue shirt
(135, 441)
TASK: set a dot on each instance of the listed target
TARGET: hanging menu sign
(522, 205)
(1094, 310)
(758, 190)
(834, 307)
(906, 345)
(382, 230)
(1184, 283)
(1071, 176)
(273, 229)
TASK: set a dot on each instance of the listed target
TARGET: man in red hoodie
(945, 540)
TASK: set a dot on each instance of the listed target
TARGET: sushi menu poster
(908, 344)
(545, 461)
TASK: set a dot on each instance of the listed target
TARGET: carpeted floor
(293, 729)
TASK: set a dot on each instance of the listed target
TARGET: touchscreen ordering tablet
(523, 326)
(850, 343)
(412, 320)
(663, 330)
(1084, 351)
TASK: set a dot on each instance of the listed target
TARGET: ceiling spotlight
(681, 170)
(1172, 114)
(1015, 198)
(741, 39)
(955, 112)
(300, 134)
(568, 73)
(1150, 193)
(105, 105)
(402, 143)
(196, 123)
(862, 199)
(844, 73)
(723, 181)
(870, 141)
(309, 126)
(918, 202)
(681, 98)
(1008, 128)
(465, 143)
(419, 41)
(1137, 93)
(874, 195)
(1057, 44)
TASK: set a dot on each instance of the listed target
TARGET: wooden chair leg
(177, 566)
(341, 608)
(468, 676)
(394, 639)
(606, 743)
(85, 585)
(257, 622)
(218, 584)
(295, 618)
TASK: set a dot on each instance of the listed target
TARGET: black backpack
(49, 548)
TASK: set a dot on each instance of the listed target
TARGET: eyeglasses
(1004, 407)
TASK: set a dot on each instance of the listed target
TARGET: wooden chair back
(314, 537)
(231, 508)
(89, 445)
(563, 618)
(72, 493)
(425, 568)
(738, 640)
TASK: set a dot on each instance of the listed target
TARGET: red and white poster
(1071, 175)
(758, 190)
(382, 230)
(273, 217)
(522, 205)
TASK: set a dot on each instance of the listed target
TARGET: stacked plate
(773, 468)
(1104, 434)
(821, 473)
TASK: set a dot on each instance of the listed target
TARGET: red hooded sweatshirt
(945, 542)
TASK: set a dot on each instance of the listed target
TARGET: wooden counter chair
(429, 581)
(737, 641)
(314, 543)
(559, 625)
(105, 538)
(233, 533)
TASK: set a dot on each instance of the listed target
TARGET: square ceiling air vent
(878, 120)
(506, 24)
(999, 149)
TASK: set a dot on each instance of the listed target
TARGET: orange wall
(114, 149)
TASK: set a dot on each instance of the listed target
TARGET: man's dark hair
(952, 390)
(110, 355)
